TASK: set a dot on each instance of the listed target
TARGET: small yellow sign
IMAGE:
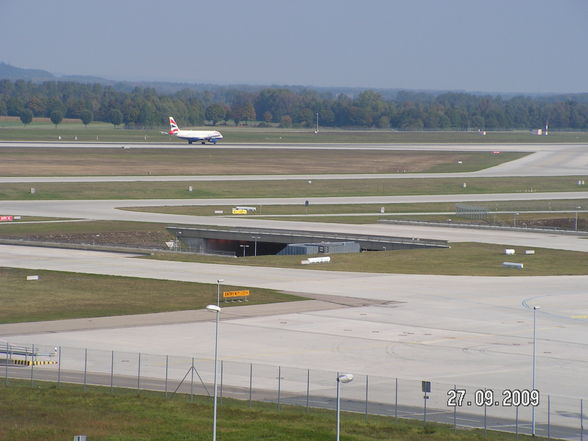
(236, 211)
(231, 294)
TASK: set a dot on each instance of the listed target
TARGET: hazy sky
(472, 45)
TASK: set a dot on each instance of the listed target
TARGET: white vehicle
(203, 136)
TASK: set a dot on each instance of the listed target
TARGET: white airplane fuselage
(202, 136)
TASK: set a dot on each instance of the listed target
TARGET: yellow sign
(236, 211)
(230, 294)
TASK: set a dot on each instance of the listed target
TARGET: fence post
(307, 389)
(192, 381)
(548, 416)
(396, 400)
(139, 374)
(581, 420)
(111, 371)
(6, 370)
(366, 396)
(279, 385)
(58, 365)
(32, 364)
(517, 422)
(425, 408)
(250, 382)
(485, 420)
(85, 367)
(166, 373)
(455, 410)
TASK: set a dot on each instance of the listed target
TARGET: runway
(474, 330)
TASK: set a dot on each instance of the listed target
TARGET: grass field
(12, 129)
(462, 259)
(63, 295)
(47, 413)
(285, 189)
(33, 161)
(91, 227)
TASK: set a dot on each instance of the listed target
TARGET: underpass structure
(272, 241)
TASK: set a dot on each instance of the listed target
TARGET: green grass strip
(47, 413)
(66, 295)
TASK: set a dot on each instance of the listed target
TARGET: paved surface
(473, 330)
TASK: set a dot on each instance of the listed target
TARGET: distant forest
(289, 107)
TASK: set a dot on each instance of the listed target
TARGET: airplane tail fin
(173, 127)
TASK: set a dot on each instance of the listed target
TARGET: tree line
(146, 107)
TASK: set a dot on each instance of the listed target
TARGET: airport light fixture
(535, 308)
(244, 246)
(343, 378)
(255, 238)
(577, 208)
(218, 283)
(216, 309)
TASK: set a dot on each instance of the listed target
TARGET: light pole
(535, 308)
(218, 282)
(244, 246)
(577, 208)
(216, 309)
(514, 219)
(255, 244)
(317, 127)
(344, 378)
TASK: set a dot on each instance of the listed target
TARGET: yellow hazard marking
(585, 316)
(33, 363)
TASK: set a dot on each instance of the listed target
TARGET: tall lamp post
(216, 309)
(344, 378)
(255, 238)
(535, 308)
(218, 283)
(244, 246)
(577, 208)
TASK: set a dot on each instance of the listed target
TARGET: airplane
(203, 136)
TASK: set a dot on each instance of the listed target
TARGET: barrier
(326, 259)
(33, 362)
(512, 265)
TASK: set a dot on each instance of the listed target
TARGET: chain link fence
(463, 406)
